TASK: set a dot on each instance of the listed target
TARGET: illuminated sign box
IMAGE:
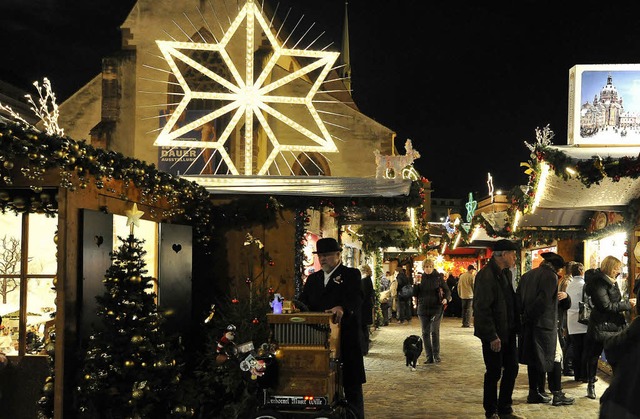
(604, 105)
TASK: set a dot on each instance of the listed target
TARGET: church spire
(345, 57)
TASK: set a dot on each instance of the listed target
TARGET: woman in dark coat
(405, 304)
(367, 307)
(454, 308)
(607, 316)
(431, 308)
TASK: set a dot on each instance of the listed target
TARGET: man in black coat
(496, 324)
(539, 346)
(336, 289)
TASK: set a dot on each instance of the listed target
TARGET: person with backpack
(433, 293)
(405, 296)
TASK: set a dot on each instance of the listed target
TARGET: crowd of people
(533, 319)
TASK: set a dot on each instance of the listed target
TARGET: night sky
(467, 82)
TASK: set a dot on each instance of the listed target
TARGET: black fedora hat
(327, 245)
(504, 245)
(554, 259)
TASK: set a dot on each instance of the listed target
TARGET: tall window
(28, 267)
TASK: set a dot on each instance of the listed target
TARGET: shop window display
(30, 238)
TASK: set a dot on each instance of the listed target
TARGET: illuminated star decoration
(471, 206)
(490, 186)
(133, 216)
(244, 97)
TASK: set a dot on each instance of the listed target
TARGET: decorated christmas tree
(130, 368)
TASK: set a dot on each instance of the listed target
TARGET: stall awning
(463, 251)
(325, 186)
(544, 217)
(571, 194)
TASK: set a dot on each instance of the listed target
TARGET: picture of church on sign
(609, 110)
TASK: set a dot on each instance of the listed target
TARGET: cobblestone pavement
(453, 388)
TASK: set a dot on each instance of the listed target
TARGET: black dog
(412, 348)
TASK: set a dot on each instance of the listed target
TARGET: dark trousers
(355, 398)
(579, 361)
(385, 313)
(405, 309)
(592, 350)
(499, 364)
(536, 378)
(467, 311)
(365, 335)
(431, 335)
(568, 355)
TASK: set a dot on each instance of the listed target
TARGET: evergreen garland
(301, 223)
(376, 237)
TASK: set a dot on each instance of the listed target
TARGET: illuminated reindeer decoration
(389, 167)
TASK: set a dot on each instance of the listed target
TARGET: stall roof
(463, 251)
(544, 217)
(325, 186)
(573, 195)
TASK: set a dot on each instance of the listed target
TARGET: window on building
(28, 267)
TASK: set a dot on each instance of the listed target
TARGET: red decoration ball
(235, 301)
(255, 320)
(270, 290)
(272, 263)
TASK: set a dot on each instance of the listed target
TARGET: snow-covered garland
(589, 172)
